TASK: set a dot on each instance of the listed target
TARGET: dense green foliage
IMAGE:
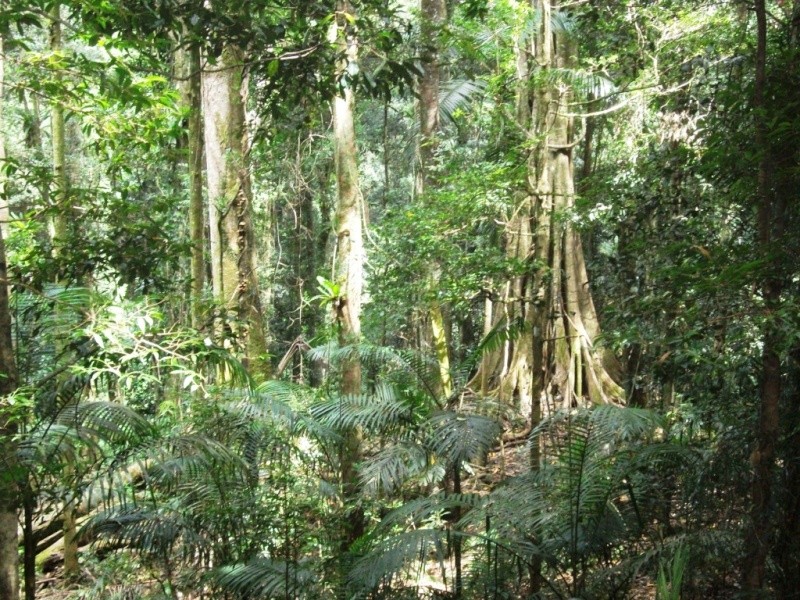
(193, 476)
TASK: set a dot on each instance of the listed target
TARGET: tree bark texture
(9, 480)
(433, 15)
(759, 536)
(234, 279)
(556, 355)
(349, 267)
(196, 206)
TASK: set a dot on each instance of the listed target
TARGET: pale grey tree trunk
(230, 198)
(349, 265)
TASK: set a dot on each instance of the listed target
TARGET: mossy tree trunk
(234, 279)
(434, 15)
(192, 99)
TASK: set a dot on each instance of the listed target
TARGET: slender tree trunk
(4, 208)
(234, 279)
(434, 15)
(59, 229)
(9, 496)
(60, 220)
(349, 258)
(196, 208)
(9, 488)
(29, 544)
(787, 546)
(759, 537)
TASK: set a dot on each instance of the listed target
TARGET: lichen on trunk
(234, 279)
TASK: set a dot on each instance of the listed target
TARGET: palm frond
(396, 553)
(422, 510)
(387, 470)
(371, 412)
(108, 421)
(161, 533)
(459, 438)
(457, 93)
(586, 82)
(264, 578)
(189, 458)
(396, 364)
(501, 332)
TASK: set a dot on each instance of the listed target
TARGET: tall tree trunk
(234, 279)
(4, 208)
(559, 358)
(193, 100)
(349, 265)
(759, 536)
(60, 220)
(787, 545)
(434, 15)
(9, 491)
(59, 229)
